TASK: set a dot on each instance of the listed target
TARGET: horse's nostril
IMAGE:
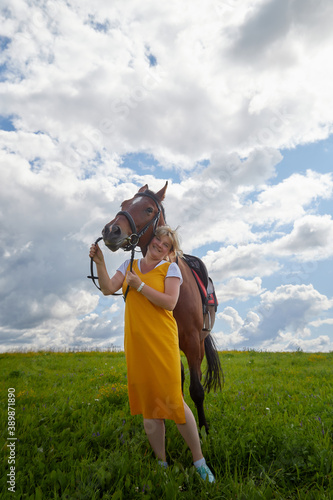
(115, 230)
(111, 231)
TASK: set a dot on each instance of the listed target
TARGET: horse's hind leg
(198, 395)
(194, 353)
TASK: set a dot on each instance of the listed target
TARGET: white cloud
(258, 254)
(290, 342)
(245, 260)
(240, 330)
(282, 321)
(231, 316)
(238, 288)
(306, 296)
(212, 92)
(311, 238)
(319, 322)
(289, 307)
(97, 76)
(272, 25)
(288, 200)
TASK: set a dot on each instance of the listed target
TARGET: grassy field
(271, 430)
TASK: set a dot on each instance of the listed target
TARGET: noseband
(134, 238)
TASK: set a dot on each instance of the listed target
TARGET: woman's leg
(189, 431)
(155, 430)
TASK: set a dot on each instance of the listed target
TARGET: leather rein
(134, 238)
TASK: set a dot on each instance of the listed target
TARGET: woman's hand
(133, 279)
(108, 285)
(96, 254)
(167, 299)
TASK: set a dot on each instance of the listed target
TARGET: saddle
(204, 282)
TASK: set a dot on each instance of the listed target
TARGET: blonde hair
(172, 234)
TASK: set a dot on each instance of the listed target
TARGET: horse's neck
(144, 247)
(144, 250)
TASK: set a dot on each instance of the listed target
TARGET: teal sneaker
(205, 472)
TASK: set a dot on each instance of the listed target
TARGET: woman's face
(160, 247)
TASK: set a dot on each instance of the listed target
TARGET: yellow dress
(152, 353)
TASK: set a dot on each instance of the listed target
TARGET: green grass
(271, 430)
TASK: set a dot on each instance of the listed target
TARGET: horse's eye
(149, 210)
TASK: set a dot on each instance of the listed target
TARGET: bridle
(134, 238)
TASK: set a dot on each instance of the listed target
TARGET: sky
(230, 101)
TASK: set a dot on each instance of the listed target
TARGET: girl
(151, 342)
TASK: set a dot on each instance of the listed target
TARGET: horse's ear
(161, 194)
(143, 188)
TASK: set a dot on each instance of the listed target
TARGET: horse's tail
(214, 377)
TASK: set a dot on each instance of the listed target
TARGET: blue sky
(231, 102)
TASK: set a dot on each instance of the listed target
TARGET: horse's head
(136, 221)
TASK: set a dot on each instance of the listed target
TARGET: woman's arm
(107, 285)
(167, 299)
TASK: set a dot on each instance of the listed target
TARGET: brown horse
(134, 226)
